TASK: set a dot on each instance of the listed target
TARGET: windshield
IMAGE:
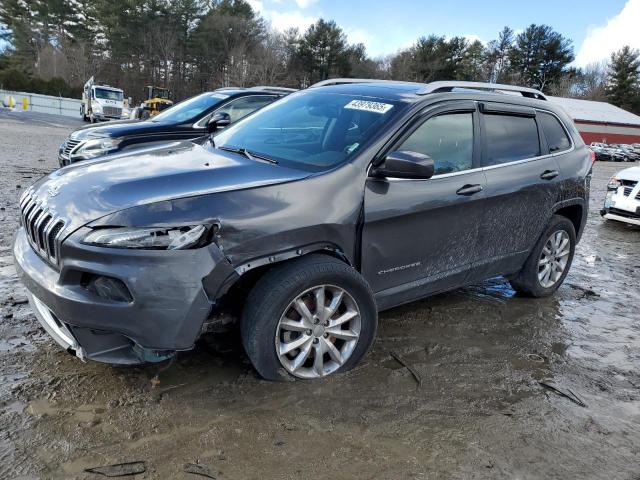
(312, 130)
(190, 109)
(105, 94)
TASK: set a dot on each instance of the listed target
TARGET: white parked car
(622, 202)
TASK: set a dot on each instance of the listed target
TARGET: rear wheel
(308, 319)
(549, 262)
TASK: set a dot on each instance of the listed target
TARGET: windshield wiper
(248, 154)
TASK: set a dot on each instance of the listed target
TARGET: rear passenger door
(523, 186)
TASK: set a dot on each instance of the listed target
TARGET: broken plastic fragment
(119, 469)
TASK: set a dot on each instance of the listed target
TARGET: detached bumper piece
(96, 345)
(621, 215)
(121, 306)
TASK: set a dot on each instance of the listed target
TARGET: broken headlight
(614, 183)
(177, 238)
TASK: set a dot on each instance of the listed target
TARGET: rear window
(510, 138)
(557, 138)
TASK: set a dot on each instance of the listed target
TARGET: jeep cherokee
(304, 220)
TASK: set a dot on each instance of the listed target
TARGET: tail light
(592, 155)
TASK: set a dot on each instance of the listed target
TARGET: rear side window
(553, 131)
(510, 138)
(447, 139)
(243, 106)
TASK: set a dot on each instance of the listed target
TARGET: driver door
(420, 236)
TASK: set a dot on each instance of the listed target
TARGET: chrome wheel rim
(554, 258)
(318, 332)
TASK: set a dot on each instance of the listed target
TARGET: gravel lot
(480, 352)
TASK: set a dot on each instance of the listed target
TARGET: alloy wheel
(554, 258)
(318, 332)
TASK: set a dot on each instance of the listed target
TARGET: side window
(243, 106)
(554, 132)
(448, 139)
(510, 138)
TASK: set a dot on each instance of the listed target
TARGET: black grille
(627, 191)
(42, 227)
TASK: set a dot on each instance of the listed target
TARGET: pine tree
(623, 87)
(540, 56)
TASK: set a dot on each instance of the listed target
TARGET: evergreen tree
(540, 56)
(497, 56)
(322, 50)
(623, 87)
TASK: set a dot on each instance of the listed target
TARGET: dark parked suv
(186, 120)
(303, 221)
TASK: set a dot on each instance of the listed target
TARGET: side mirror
(405, 164)
(217, 121)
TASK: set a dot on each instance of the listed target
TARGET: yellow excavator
(156, 100)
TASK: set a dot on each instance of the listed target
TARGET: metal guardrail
(35, 102)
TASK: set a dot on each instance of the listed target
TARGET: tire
(273, 296)
(527, 281)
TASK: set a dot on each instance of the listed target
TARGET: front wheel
(550, 260)
(308, 319)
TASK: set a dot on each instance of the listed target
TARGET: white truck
(101, 102)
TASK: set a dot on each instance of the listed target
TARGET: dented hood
(632, 174)
(86, 191)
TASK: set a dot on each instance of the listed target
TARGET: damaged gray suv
(303, 221)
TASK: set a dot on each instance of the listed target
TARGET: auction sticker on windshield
(367, 106)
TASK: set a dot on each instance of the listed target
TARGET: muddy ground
(480, 353)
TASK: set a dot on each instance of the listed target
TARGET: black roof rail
(442, 86)
(346, 81)
(267, 88)
(448, 86)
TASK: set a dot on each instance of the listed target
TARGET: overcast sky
(597, 27)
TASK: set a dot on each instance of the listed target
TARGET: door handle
(549, 174)
(469, 189)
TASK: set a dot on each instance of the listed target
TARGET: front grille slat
(42, 227)
(70, 145)
(53, 238)
(112, 111)
(31, 220)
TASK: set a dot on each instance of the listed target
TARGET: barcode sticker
(367, 106)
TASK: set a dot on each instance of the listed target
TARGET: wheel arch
(232, 296)
(574, 210)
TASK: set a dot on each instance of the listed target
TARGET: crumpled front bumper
(621, 207)
(172, 292)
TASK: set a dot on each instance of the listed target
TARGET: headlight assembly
(179, 238)
(614, 183)
(95, 148)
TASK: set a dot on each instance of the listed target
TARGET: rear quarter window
(509, 138)
(554, 132)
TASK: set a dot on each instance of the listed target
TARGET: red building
(601, 121)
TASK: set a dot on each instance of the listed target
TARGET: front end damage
(622, 202)
(123, 306)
